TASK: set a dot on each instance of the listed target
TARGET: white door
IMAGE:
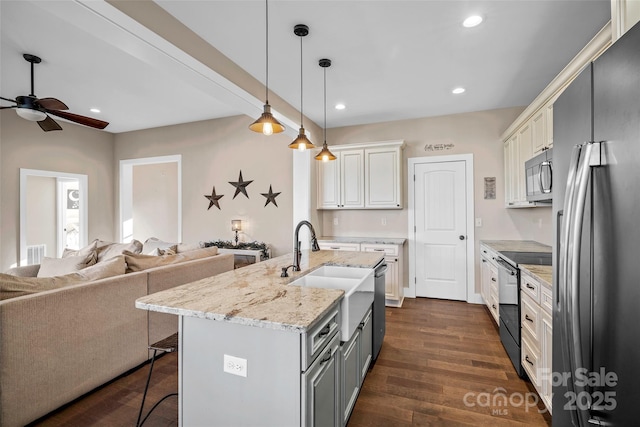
(440, 230)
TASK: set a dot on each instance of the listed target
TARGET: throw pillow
(140, 262)
(114, 249)
(89, 250)
(50, 267)
(152, 243)
(114, 266)
(171, 250)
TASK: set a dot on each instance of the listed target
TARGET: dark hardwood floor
(442, 364)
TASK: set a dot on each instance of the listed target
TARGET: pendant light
(301, 142)
(325, 155)
(266, 123)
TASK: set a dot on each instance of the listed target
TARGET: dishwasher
(378, 314)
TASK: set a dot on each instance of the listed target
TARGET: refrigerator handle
(583, 174)
(563, 276)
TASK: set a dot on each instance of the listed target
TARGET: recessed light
(458, 90)
(472, 21)
(94, 110)
(340, 106)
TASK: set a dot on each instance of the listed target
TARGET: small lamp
(236, 225)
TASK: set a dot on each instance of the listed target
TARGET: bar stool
(167, 345)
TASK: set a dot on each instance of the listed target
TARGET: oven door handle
(506, 266)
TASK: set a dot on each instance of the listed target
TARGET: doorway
(441, 234)
(151, 198)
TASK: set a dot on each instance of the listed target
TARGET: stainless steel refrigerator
(596, 274)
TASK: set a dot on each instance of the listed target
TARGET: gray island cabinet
(256, 351)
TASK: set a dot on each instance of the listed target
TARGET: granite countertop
(542, 273)
(516, 245)
(377, 240)
(256, 295)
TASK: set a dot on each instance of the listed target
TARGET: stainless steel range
(509, 298)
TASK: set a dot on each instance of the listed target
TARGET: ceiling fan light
(325, 155)
(266, 123)
(301, 142)
(31, 115)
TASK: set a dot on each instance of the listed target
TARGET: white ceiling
(391, 59)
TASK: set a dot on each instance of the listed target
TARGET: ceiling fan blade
(7, 99)
(83, 120)
(52, 104)
(49, 124)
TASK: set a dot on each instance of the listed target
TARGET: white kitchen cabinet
(364, 176)
(549, 125)
(394, 287)
(335, 246)
(382, 177)
(538, 130)
(489, 281)
(537, 334)
(517, 150)
(341, 182)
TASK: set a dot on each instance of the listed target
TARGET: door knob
(461, 237)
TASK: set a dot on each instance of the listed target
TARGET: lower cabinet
(322, 388)
(355, 359)
(489, 281)
(537, 334)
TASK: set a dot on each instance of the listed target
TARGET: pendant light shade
(301, 142)
(266, 123)
(325, 155)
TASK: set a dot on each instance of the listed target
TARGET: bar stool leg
(146, 388)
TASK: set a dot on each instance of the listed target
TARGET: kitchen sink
(357, 284)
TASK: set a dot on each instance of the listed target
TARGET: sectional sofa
(58, 344)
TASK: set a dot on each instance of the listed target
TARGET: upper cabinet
(364, 176)
(534, 136)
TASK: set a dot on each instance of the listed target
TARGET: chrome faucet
(297, 254)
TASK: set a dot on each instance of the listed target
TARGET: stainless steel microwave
(539, 177)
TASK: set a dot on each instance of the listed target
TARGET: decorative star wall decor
(241, 186)
(213, 198)
(271, 197)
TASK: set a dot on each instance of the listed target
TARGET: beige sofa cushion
(89, 250)
(14, 286)
(186, 247)
(152, 243)
(109, 250)
(140, 262)
(50, 267)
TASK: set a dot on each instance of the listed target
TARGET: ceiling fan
(37, 109)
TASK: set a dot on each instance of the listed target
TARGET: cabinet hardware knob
(494, 306)
(530, 287)
(493, 279)
(461, 237)
(526, 316)
(528, 361)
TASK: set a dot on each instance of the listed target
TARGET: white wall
(155, 200)
(75, 149)
(213, 153)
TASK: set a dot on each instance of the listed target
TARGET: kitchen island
(255, 350)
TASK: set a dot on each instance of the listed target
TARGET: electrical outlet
(384, 221)
(235, 365)
(335, 221)
(478, 222)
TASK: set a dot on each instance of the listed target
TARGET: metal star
(271, 197)
(241, 186)
(213, 198)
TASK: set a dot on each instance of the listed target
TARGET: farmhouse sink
(357, 284)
